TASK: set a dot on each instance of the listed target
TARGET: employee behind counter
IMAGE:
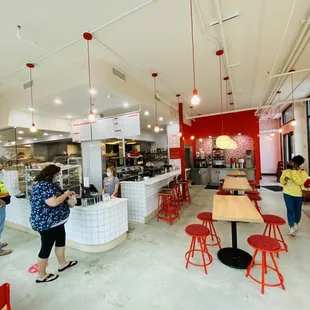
(111, 182)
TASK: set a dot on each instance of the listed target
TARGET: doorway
(288, 145)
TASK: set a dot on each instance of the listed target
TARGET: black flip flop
(48, 279)
(71, 264)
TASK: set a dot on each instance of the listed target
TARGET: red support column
(182, 150)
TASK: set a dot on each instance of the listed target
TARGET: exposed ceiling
(139, 37)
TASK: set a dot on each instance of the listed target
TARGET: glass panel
(288, 115)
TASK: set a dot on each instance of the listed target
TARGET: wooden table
(236, 173)
(235, 209)
(236, 184)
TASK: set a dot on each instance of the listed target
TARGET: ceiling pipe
(295, 54)
(220, 113)
(80, 37)
(220, 18)
(289, 73)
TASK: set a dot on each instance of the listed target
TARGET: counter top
(112, 203)
(158, 178)
(225, 168)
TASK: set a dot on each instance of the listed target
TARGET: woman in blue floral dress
(49, 213)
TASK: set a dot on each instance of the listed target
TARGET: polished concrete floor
(148, 270)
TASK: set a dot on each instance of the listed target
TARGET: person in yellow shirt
(293, 179)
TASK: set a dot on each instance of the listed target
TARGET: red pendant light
(195, 99)
(156, 128)
(91, 116)
(33, 126)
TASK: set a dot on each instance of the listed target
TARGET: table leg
(234, 257)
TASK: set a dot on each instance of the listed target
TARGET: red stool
(272, 226)
(207, 220)
(174, 189)
(223, 192)
(200, 233)
(265, 244)
(186, 194)
(5, 297)
(252, 184)
(255, 198)
(167, 207)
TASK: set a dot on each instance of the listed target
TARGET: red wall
(244, 122)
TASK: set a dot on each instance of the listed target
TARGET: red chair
(265, 244)
(168, 209)
(185, 192)
(5, 297)
(207, 220)
(306, 192)
(223, 192)
(255, 198)
(272, 229)
(198, 233)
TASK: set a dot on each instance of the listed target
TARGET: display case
(70, 178)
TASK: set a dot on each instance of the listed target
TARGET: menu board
(81, 132)
(102, 129)
(173, 136)
(126, 125)
(105, 128)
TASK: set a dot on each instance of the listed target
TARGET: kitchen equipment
(241, 162)
(248, 159)
(217, 153)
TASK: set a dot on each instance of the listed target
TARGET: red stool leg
(251, 264)
(278, 272)
(282, 239)
(264, 268)
(265, 230)
(213, 231)
(191, 248)
(203, 247)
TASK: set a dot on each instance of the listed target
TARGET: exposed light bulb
(149, 126)
(272, 134)
(156, 129)
(294, 123)
(280, 130)
(19, 32)
(160, 118)
(161, 129)
(33, 128)
(192, 137)
(93, 91)
(180, 134)
(200, 140)
(125, 104)
(57, 101)
(146, 113)
(45, 134)
(13, 142)
(20, 138)
(31, 109)
(69, 116)
(195, 99)
(91, 116)
(20, 132)
(239, 134)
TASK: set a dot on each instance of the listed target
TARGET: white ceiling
(138, 40)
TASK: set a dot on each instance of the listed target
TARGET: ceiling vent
(28, 84)
(119, 74)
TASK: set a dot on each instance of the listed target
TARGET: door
(288, 145)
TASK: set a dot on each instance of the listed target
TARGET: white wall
(270, 153)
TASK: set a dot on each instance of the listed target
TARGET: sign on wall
(102, 129)
(81, 132)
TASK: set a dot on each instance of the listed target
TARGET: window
(287, 114)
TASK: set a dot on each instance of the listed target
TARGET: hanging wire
(89, 79)
(31, 95)
(193, 42)
(221, 90)
(155, 98)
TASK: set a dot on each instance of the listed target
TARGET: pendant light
(222, 141)
(91, 116)
(195, 99)
(293, 123)
(33, 126)
(156, 128)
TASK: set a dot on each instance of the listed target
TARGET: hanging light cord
(193, 43)
(292, 83)
(221, 90)
(89, 80)
(31, 95)
(155, 99)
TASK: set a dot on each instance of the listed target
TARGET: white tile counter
(95, 228)
(142, 196)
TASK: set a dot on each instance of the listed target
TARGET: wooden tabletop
(235, 209)
(236, 184)
(236, 173)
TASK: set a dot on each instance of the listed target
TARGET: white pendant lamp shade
(222, 142)
(232, 145)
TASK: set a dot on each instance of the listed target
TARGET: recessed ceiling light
(93, 91)
(125, 104)
(69, 116)
(20, 132)
(85, 119)
(161, 129)
(19, 138)
(109, 96)
(0, 141)
(45, 134)
(146, 113)
(57, 101)
(31, 109)
(171, 123)
(61, 135)
(13, 142)
(35, 139)
(149, 126)
(160, 118)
